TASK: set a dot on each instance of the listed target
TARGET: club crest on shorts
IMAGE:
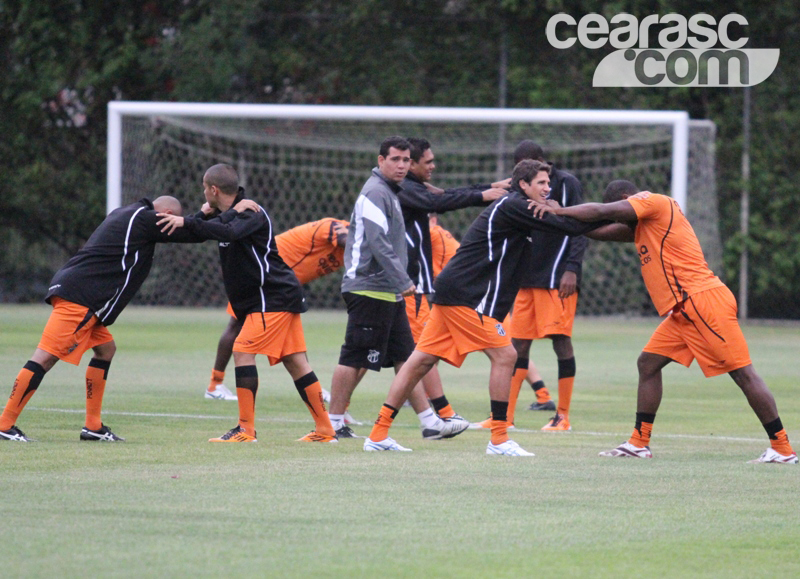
(500, 330)
(373, 356)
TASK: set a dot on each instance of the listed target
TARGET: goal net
(301, 170)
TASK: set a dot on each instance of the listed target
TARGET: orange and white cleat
(559, 423)
(771, 455)
(314, 436)
(236, 434)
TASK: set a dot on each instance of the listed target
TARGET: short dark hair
(418, 148)
(526, 170)
(616, 190)
(527, 149)
(399, 143)
(224, 177)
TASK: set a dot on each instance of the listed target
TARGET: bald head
(223, 177)
(167, 204)
(619, 190)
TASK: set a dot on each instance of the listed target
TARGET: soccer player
(417, 201)
(264, 292)
(87, 295)
(473, 293)
(375, 281)
(546, 302)
(700, 311)
(443, 245)
(312, 250)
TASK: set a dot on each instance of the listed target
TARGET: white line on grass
(291, 420)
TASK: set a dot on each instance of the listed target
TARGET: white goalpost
(305, 162)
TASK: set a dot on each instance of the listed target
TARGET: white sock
(428, 418)
(337, 420)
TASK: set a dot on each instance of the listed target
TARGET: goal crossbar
(677, 120)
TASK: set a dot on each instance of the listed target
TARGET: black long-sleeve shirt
(112, 265)
(486, 271)
(417, 202)
(256, 278)
(553, 254)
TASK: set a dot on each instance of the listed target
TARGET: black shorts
(378, 334)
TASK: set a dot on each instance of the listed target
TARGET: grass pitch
(168, 503)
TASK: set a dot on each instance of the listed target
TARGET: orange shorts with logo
(539, 312)
(705, 328)
(71, 330)
(418, 312)
(453, 332)
(273, 334)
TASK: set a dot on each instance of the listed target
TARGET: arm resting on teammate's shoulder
(612, 232)
(228, 226)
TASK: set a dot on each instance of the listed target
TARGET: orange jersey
(312, 249)
(673, 266)
(444, 246)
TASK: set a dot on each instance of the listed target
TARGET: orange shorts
(71, 330)
(453, 332)
(273, 334)
(418, 312)
(539, 312)
(705, 328)
(229, 309)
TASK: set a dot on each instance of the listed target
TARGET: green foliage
(64, 60)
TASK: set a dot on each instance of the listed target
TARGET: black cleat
(104, 434)
(14, 434)
(549, 405)
(346, 432)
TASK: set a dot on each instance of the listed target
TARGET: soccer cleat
(348, 419)
(487, 424)
(346, 432)
(626, 449)
(445, 428)
(559, 423)
(508, 448)
(385, 444)
(221, 392)
(235, 434)
(104, 435)
(326, 396)
(14, 434)
(549, 405)
(313, 436)
(771, 455)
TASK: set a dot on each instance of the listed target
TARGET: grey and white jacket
(375, 257)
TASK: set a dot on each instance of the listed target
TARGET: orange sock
(499, 421)
(311, 392)
(25, 385)
(778, 438)
(380, 431)
(542, 393)
(566, 380)
(442, 407)
(217, 377)
(96, 376)
(520, 371)
(246, 388)
(642, 430)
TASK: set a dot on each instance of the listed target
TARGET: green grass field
(168, 503)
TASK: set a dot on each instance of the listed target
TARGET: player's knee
(648, 364)
(105, 351)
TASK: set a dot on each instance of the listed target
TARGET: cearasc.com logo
(698, 51)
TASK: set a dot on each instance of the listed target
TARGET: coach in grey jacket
(375, 280)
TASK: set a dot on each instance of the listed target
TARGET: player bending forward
(473, 293)
(701, 311)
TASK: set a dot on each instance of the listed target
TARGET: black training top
(111, 267)
(256, 278)
(486, 271)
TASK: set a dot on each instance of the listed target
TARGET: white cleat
(508, 448)
(385, 444)
(627, 450)
(445, 428)
(771, 455)
(326, 396)
(221, 392)
(348, 419)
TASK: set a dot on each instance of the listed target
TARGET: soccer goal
(304, 162)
